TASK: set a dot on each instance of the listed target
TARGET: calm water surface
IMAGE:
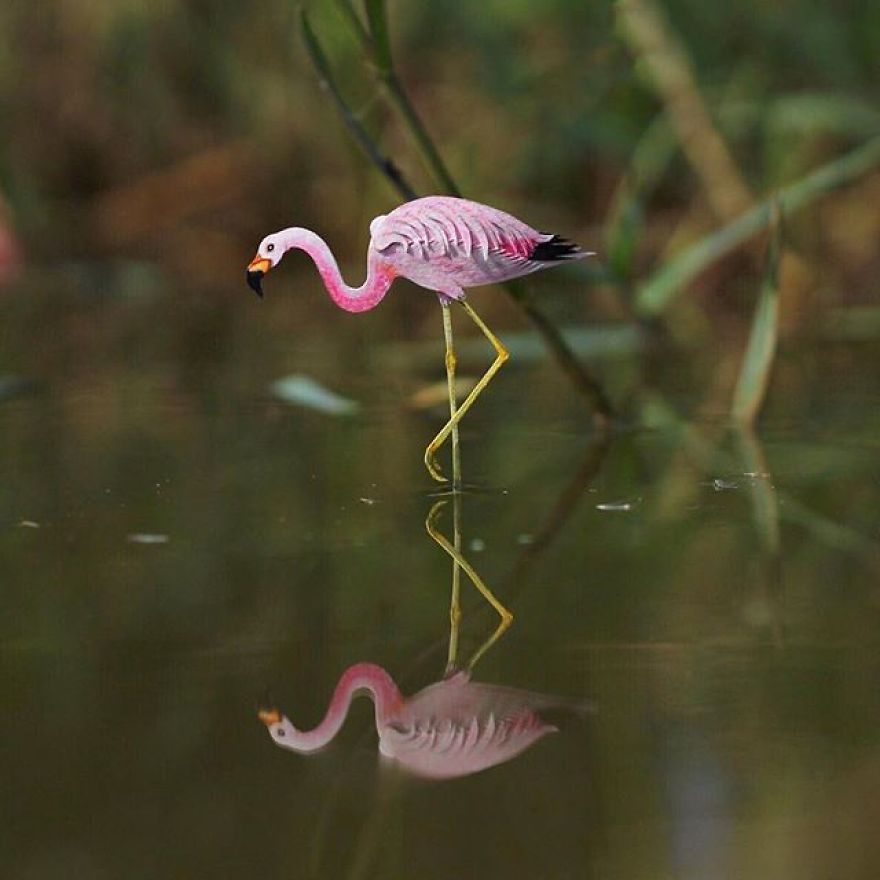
(175, 541)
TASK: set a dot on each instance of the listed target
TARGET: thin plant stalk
(375, 45)
(352, 123)
(765, 505)
(765, 516)
(655, 295)
(559, 516)
(754, 377)
(429, 152)
(705, 453)
(645, 26)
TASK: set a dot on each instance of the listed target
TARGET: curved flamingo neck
(361, 677)
(352, 299)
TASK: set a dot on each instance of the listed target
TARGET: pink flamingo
(443, 244)
(452, 728)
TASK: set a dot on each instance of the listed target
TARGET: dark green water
(175, 541)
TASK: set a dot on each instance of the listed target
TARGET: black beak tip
(255, 282)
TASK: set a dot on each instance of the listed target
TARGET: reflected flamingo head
(279, 726)
(451, 728)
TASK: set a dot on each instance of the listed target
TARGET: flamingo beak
(269, 716)
(258, 267)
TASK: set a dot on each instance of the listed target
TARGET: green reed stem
(655, 294)
(754, 376)
(376, 45)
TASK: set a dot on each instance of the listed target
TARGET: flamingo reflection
(451, 728)
(454, 727)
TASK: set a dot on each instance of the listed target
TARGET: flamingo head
(279, 726)
(268, 256)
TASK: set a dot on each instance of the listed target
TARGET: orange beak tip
(269, 716)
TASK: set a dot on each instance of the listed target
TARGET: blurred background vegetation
(178, 133)
(715, 591)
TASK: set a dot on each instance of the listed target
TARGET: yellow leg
(501, 355)
(455, 608)
(455, 599)
(499, 631)
(453, 403)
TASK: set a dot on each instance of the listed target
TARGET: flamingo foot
(431, 462)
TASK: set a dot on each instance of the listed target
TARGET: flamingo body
(447, 244)
(457, 727)
(454, 727)
(441, 243)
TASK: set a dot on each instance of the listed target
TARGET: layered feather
(438, 239)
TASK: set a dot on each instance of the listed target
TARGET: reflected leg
(455, 599)
(455, 609)
(501, 355)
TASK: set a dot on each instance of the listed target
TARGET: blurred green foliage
(725, 621)
(735, 604)
(543, 110)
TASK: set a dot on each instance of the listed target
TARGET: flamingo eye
(270, 247)
(280, 731)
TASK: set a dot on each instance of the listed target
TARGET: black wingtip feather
(558, 248)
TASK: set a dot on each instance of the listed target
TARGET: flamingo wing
(456, 727)
(439, 238)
